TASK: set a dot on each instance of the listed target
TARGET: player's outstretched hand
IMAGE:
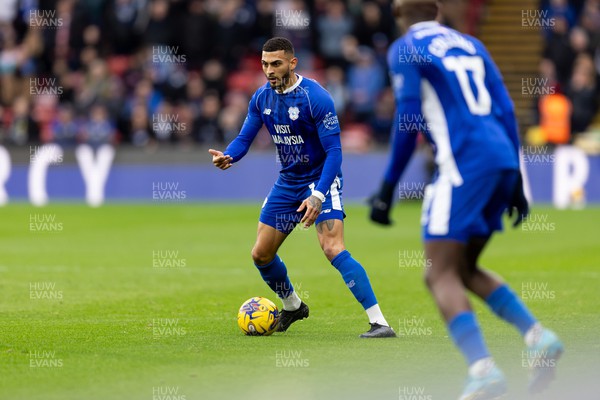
(313, 207)
(518, 203)
(381, 204)
(221, 160)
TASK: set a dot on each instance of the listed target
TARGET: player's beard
(280, 87)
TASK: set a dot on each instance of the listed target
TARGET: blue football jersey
(297, 120)
(462, 100)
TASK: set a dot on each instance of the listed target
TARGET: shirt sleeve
(333, 162)
(323, 113)
(502, 105)
(406, 84)
(252, 124)
(328, 127)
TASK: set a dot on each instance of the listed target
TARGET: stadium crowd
(147, 72)
(570, 68)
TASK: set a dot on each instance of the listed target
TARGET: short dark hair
(278, 43)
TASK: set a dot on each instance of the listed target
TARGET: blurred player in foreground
(448, 80)
(300, 117)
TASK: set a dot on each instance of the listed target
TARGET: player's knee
(332, 250)
(261, 257)
(433, 276)
(429, 278)
(467, 273)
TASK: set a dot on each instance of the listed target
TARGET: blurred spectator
(163, 122)
(561, 9)
(21, 127)
(366, 79)
(197, 35)
(232, 117)
(373, 30)
(294, 22)
(262, 30)
(558, 50)
(231, 122)
(590, 21)
(579, 40)
(213, 75)
(555, 112)
(582, 93)
(64, 127)
(97, 129)
(208, 129)
(8, 11)
(233, 24)
(10, 58)
(335, 85)
(183, 127)
(64, 41)
(548, 84)
(194, 92)
(383, 117)
(332, 28)
(349, 47)
(144, 94)
(126, 20)
(160, 29)
(140, 127)
(166, 66)
(96, 86)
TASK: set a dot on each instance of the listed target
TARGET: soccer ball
(258, 316)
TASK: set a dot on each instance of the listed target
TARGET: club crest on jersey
(294, 113)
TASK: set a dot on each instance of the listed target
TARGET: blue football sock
(467, 336)
(275, 275)
(356, 278)
(505, 303)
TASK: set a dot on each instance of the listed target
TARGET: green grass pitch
(139, 302)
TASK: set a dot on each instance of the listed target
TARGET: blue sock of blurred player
(467, 336)
(356, 279)
(275, 275)
(508, 306)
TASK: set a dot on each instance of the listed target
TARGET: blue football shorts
(279, 207)
(473, 209)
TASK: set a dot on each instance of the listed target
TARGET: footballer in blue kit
(301, 119)
(448, 80)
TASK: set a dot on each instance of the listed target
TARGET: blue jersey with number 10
(447, 86)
